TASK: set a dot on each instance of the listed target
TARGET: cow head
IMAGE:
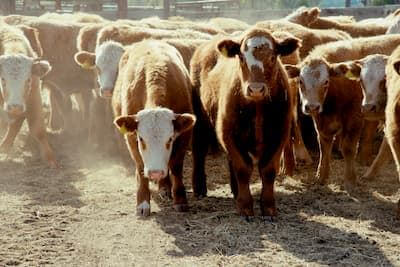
(16, 72)
(257, 53)
(370, 71)
(156, 130)
(314, 78)
(106, 61)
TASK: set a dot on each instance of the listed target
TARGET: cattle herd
(155, 88)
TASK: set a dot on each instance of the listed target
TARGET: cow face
(257, 54)
(156, 130)
(16, 72)
(370, 71)
(106, 61)
(314, 77)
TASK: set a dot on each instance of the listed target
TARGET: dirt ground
(84, 215)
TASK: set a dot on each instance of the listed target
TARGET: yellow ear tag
(224, 51)
(123, 129)
(87, 66)
(349, 75)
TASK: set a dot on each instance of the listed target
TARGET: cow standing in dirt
(152, 104)
(20, 72)
(242, 97)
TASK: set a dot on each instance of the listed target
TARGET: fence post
(8, 7)
(166, 9)
(58, 5)
(122, 9)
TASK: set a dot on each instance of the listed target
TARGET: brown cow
(152, 103)
(20, 71)
(334, 104)
(310, 37)
(392, 124)
(242, 96)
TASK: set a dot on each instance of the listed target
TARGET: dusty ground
(84, 215)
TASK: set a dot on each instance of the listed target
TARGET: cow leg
(366, 142)
(200, 144)
(384, 156)
(349, 150)
(56, 98)
(143, 192)
(84, 99)
(12, 131)
(242, 170)
(325, 150)
(288, 159)
(300, 150)
(393, 140)
(267, 199)
(176, 166)
(233, 180)
(36, 124)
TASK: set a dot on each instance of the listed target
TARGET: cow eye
(326, 83)
(142, 143)
(169, 143)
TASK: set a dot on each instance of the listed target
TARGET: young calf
(20, 89)
(370, 72)
(152, 104)
(334, 104)
(242, 97)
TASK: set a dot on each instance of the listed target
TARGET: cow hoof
(143, 209)
(181, 207)
(248, 219)
(367, 177)
(268, 218)
(398, 210)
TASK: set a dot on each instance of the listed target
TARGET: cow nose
(156, 175)
(368, 108)
(312, 108)
(106, 92)
(15, 109)
(256, 88)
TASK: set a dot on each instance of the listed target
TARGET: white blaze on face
(313, 78)
(15, 73)
(156, 129)
(253, 43)
(372, 75)
(108, 55)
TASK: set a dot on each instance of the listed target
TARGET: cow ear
(292, 70)
(287, 46)
(85, 59)
(32, 35)
(228, 48)
(350, 70)
(41, 68)
(314, 13)
(396, 66)
(183, 122)
(126, 124)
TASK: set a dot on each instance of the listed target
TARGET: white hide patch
(372, 74)
(253, 43)
(313, 79)
(108, 55)
(15, 70)
(156, 128)
(144, 206)
(394, 28)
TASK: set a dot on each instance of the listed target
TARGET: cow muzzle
(256, 89)
(156, 175)
(14, 110)
(312, 108)
(368, 108)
